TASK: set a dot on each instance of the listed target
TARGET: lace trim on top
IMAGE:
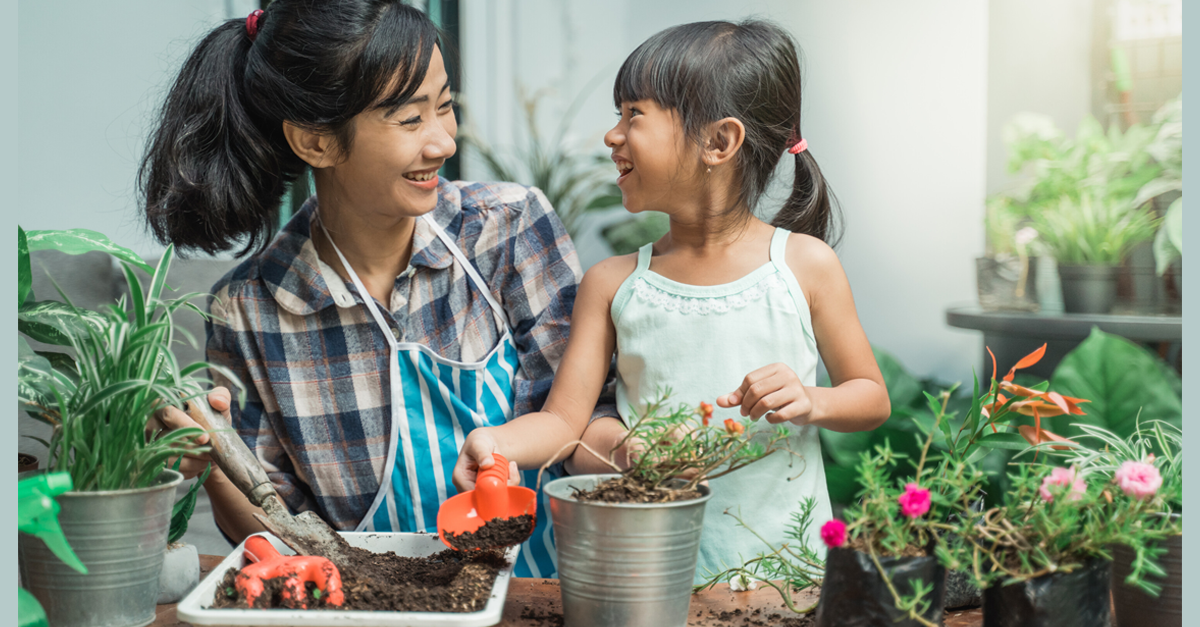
(710, 305)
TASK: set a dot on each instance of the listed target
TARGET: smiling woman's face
(392, 165)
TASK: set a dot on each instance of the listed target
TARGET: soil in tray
(626, 489)
(449, 581)
(497, 532)
(758, 618)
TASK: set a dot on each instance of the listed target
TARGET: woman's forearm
(231, 509)
(855, 405)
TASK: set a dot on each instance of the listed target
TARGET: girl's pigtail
(811, 207)
(211, 172)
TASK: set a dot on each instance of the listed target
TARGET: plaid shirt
(315, 363)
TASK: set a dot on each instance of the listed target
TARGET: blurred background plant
(577, 180)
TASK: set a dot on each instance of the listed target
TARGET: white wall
(1040, 56)
(92, 75)
(895, 112)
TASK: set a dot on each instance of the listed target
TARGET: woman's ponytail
(211, 176)
(810, 209)
(218, 163)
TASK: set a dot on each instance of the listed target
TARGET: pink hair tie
(252, 23)
(798, 147)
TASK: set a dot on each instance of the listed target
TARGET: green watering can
(37, 514)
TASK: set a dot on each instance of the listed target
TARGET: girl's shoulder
(607, 276)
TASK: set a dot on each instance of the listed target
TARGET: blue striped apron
(436, 402)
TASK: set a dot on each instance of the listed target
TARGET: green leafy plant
(1167, 150)
(671, 443)
(1099, 450)
(99, 396)
(1055, 520)
(1093, 230)
(575, 182)
(181, 513)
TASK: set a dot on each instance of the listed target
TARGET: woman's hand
(476, 455)
(171, 418)
(775, 391)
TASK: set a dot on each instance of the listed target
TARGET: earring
(709, 170)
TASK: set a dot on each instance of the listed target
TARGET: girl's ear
(316, 149)
(723, 140)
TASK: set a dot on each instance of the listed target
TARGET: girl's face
(392, 165)
(650, 150)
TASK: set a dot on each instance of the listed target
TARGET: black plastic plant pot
(855, 595)
(1076, 599)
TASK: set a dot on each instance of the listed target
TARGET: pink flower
(1138, 479)
(915, 501)
(834, 533)
(1063, 478)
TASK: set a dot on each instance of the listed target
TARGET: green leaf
(181, 513)
(1168, 243)
(52, 322)
(80, 241)
(24, 269)
(1121, 379)
(1004, 439)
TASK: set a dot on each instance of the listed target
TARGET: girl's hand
(170, 418)
(774, 390)
(476, 455)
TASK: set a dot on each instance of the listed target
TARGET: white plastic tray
(194, 607)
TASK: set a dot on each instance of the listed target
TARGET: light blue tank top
(701, 341)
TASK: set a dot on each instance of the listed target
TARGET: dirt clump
(495, 533)
(627, 489)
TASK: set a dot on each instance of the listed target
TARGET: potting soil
(495, 533)
(448, 581)
(627, 489)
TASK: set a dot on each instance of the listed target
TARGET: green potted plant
(1152, 455)
(1167, 190)
(1090, 237)
(99, 396)
(1082, 194)
(1044, 556)
(628, 543)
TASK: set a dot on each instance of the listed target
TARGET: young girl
(724, 306)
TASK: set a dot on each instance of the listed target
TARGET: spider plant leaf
(80, 241)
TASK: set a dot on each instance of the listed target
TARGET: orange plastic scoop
(492, 498)
(296, 569)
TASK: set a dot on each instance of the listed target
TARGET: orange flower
(705, 410)
(733, 427)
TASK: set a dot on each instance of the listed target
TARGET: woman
(397, 311)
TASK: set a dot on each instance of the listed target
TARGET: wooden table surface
(538, 603)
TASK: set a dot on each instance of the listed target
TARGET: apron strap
(362, 291)
(471, 271)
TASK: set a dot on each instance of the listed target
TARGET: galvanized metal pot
(121, 536)
(1088, 289)
(624, 564)
(1134, 608)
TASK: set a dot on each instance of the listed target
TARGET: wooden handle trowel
(305, 533)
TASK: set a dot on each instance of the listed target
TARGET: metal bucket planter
(1088, 289)
(624, 564)
(1134, 608)
(854, 595)
(121, 536)
(1075, 599)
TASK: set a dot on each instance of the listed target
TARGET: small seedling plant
(676, 447)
